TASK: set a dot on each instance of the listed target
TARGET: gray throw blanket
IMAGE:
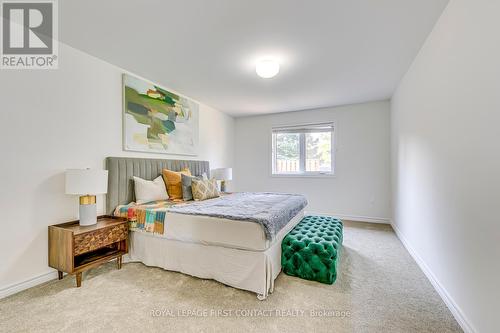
(271, 210)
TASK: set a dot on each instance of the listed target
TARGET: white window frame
(302, 150)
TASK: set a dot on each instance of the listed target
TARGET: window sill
(303, 175)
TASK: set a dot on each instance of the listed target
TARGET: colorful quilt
(148, 217)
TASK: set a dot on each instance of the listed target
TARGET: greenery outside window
(303, 150)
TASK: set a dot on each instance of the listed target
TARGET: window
(303, 150)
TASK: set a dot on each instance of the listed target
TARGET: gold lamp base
(223, 186)
(88, 210)
(87, 200)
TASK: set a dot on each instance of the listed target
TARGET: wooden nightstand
(74, 249)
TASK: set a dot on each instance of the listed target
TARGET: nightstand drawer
(96, 239)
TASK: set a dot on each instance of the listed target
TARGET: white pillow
(149, 190)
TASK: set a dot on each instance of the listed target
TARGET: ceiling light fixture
(267, 68)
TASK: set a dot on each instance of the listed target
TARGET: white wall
(360, 187)
(66, 118)
(446, 160)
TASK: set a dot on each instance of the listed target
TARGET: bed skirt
(254, 271)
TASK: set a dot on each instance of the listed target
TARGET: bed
(233, 250)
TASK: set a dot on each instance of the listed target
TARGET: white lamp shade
(223, 173)
(86, 181)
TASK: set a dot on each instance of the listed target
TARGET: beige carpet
(380, 289)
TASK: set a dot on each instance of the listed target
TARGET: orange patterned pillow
(173, 182)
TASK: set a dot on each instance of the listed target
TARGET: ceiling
(332, 52)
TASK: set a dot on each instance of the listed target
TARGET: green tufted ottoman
(312, 249)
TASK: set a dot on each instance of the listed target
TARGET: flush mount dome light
(267, 68)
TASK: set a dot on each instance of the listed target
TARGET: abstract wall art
(156, 120)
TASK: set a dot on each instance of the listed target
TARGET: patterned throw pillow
(204, 189)
(187, 190)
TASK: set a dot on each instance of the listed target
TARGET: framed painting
(156, 120)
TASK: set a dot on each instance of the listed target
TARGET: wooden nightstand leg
(79, 279)
(59, 275)
(119, 262)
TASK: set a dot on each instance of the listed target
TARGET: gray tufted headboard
(122, 169)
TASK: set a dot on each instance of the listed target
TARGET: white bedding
(219, 231)
(247, 269)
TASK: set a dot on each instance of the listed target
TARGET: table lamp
(87, 183)
(223, 174)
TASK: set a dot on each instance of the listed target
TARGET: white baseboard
(445, 296)
(20, 286)
(356, 218)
